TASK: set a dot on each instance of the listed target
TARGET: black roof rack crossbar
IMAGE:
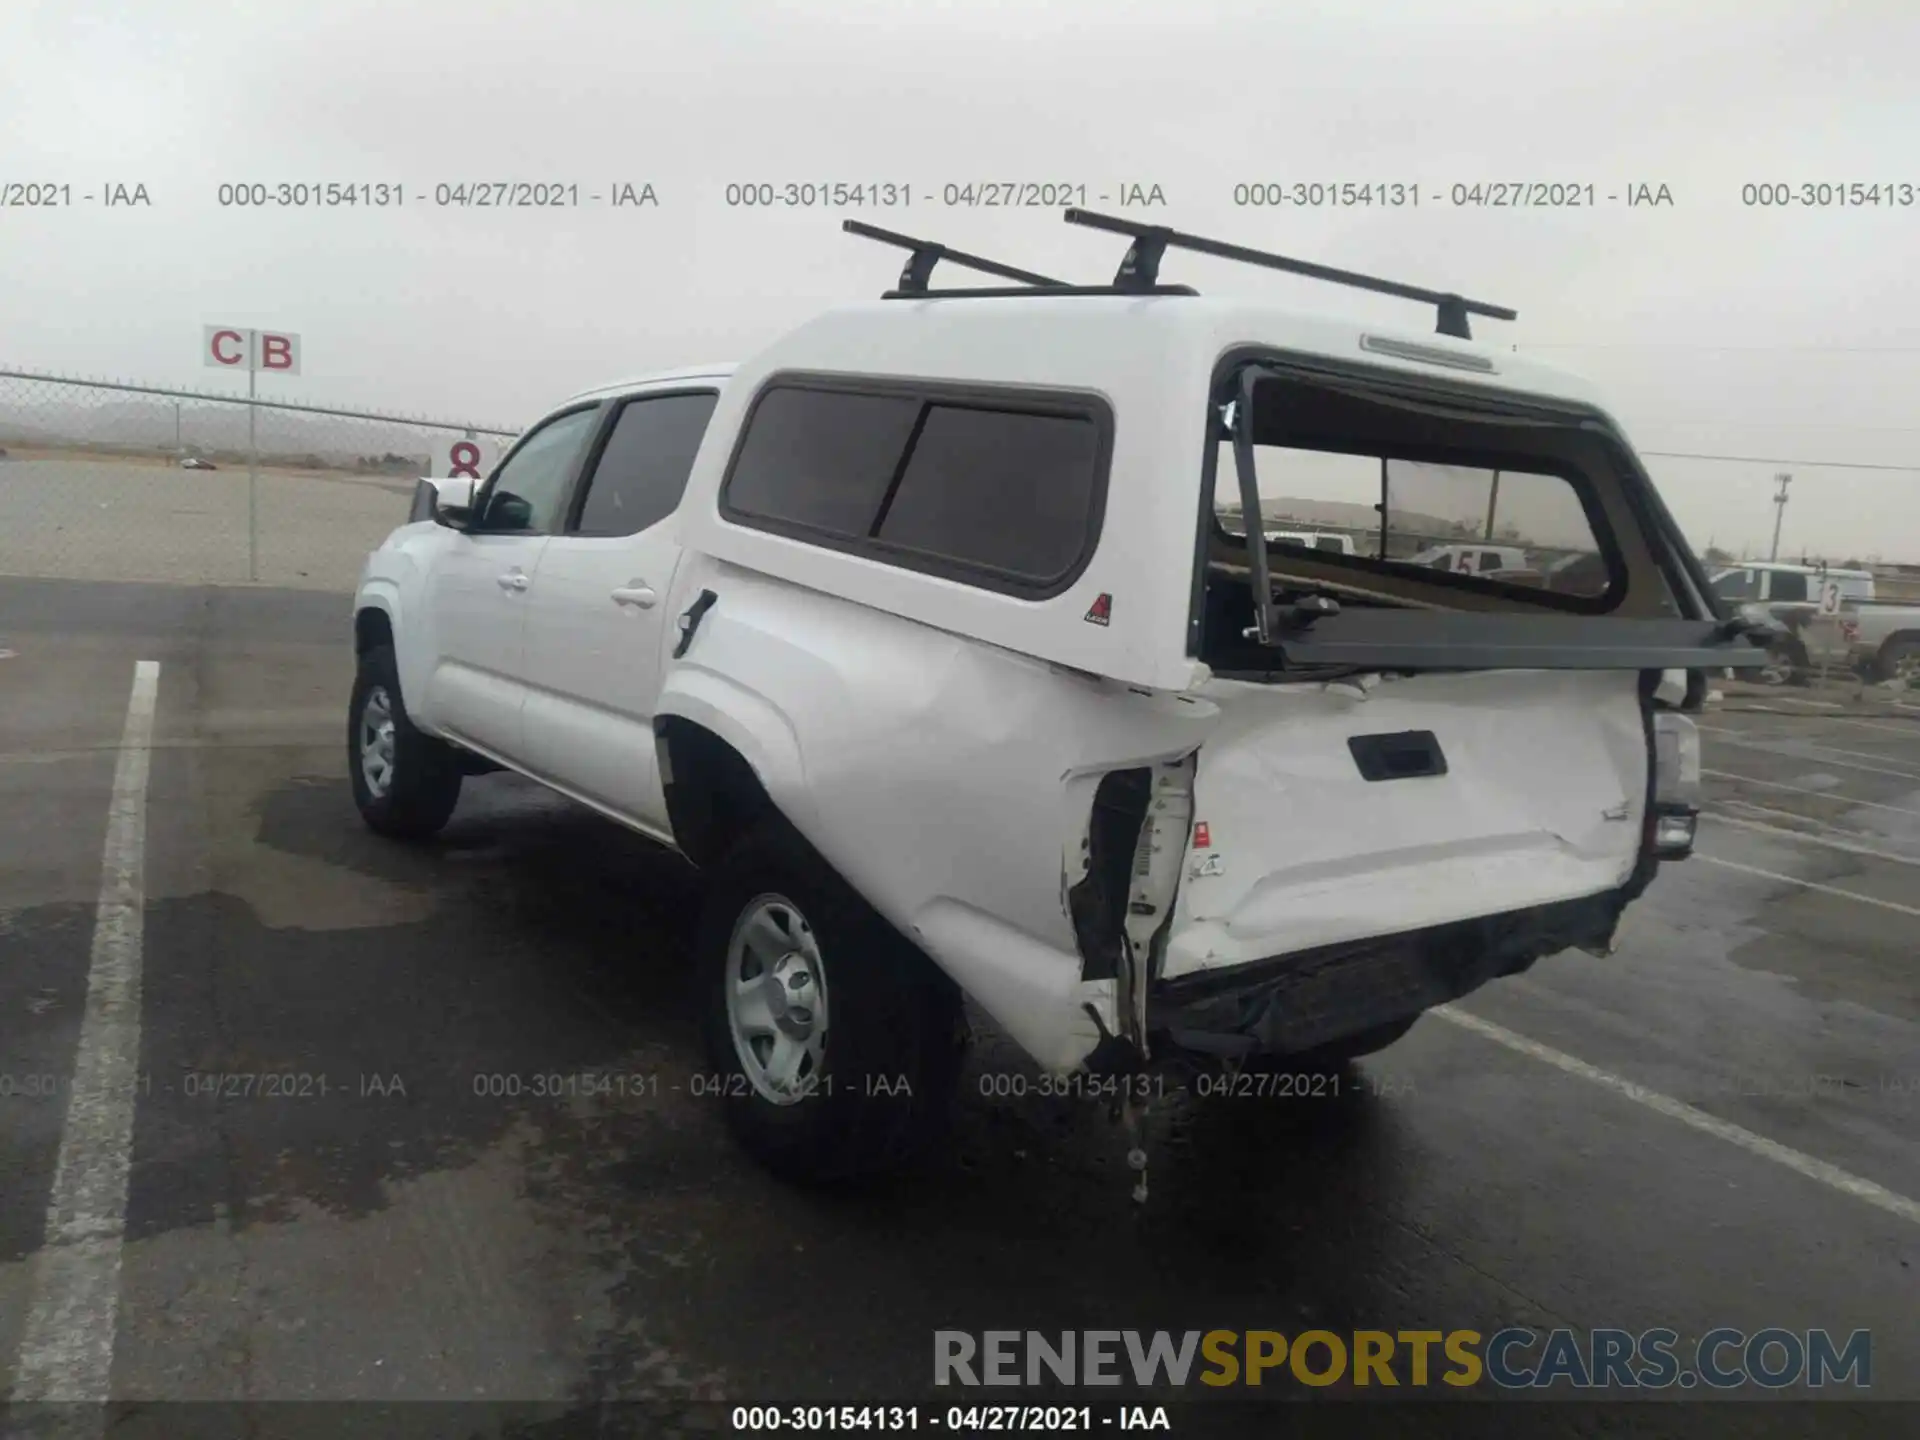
(1034, 292)
(1140, 269)
(928, 253)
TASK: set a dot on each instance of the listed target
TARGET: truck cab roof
(717, 370)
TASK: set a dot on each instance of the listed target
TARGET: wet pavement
(476, 1161)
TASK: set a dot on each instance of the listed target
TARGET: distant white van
(1312, 540)
(1472, 559)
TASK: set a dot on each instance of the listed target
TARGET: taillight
(1676, 783)
(1676, 759)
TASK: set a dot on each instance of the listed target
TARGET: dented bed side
(976, 798)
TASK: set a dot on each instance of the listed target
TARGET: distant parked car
(1883, 639)
(1582, 573)
(1784, 599)
(194, 462)
(1312, 540)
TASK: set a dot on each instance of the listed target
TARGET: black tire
(1799, 664)
(1898, 657)
(423, 782)
(1787, 663)
(892, 1044)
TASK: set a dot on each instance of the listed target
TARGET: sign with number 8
(464, 459)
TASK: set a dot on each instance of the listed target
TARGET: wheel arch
(372, 625)
(727, 760)
(1899, 640)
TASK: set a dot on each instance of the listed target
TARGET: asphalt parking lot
(1718, 1125)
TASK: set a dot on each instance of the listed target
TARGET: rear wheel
(404, 783)
(834, 1043)
(1900, 660)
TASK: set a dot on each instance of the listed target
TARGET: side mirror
(507, 511)
(452, 501)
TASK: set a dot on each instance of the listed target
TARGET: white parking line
(1761, 828)
(66, 1346)
(1833, 704)
(1806, 790)
(1817, 704)
(1796, 815)
(1753, 1144)
(1771, 748)
(1805, 744)
(1809, 885)
(1910, 732)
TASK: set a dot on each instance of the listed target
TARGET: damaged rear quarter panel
(950, 782)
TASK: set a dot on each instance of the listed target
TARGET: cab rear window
(1423, 516)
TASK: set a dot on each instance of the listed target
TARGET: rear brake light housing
(1676, 784)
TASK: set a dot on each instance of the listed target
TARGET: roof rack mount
(1140, 269)
(928, 253)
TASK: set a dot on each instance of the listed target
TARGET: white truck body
(1111, 834)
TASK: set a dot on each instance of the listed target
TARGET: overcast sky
(1715, 327)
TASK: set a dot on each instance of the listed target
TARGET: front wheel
(1787, 664)
(405, 784)
(834, 1043)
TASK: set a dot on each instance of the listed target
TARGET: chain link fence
(102, 480)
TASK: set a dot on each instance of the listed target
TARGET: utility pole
(1783, 479)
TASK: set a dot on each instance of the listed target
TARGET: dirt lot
(122, 518)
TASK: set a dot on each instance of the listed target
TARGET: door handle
(635, 594)
(514, 580)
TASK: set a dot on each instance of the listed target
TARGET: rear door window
(643, 467)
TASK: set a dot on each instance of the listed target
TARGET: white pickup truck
(920, 634)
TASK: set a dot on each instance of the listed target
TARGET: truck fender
(385, 596)
(747, 721)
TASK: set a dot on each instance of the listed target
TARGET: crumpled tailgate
(1492, 791)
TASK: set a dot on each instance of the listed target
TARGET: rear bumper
(1397, 894)
(1299, 1002)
